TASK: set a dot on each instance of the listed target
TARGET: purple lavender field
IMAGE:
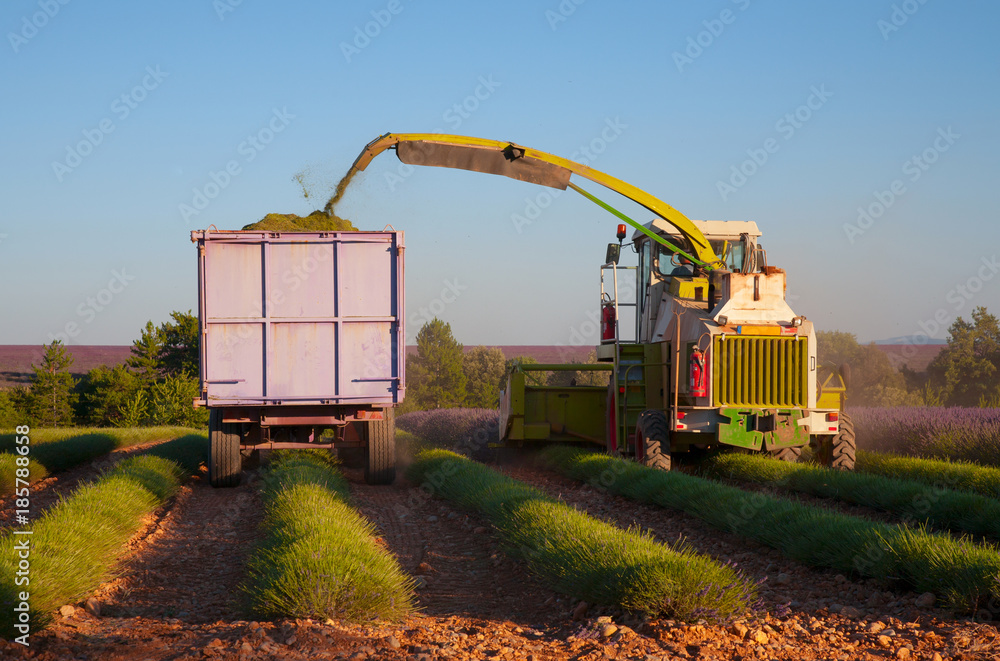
(967, 434)
(464, 430)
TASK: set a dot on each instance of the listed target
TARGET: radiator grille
(760, 371)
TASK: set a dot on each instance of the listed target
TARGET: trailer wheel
(652, 440)
(224, 459)
(840, 451)
(787, 454)
(380, 449)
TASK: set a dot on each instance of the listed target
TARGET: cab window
(645, 265)
(734, 252)
(667, 261)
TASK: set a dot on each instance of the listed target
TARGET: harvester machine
(715, 357)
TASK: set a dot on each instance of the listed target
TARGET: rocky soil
(176, 596)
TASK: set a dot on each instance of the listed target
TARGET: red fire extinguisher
(699, 374)
(608, 322)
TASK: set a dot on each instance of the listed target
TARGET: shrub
(52, 450)
(75, 544)
(967, 434)
(463, 430)
(319, 557)
(963, 476)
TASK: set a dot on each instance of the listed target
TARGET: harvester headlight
(797, 321)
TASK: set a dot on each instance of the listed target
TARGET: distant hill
(914, 356)
(541, 353)
(16, 360)
(909, 339)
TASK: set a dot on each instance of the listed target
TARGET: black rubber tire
(787, 454)
(845, 445)
(840, 451)
(652, 440)
(225, 465)
(380, 449)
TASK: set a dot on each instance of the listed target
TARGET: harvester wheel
(839, 452)
(845, 445)
(787, 454)
(652, 440)
(224, 459)
(380, 449)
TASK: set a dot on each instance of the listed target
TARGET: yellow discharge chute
(537, 167)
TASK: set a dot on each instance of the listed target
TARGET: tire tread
(380, 449)
(653, 432)
(225, 463)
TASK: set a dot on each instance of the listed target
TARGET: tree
(10, 416)
(170, 403)
(51, 394)
(874, 381)
(836, 348)
(592, 377)
(146, 352)
(180, 352)
(106, 394)
(965, 373)
(581, 377)
(484, 369)
(531, 378)
(435, 374)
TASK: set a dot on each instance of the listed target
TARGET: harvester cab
(741, 289)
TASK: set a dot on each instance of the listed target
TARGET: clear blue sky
(100, 241)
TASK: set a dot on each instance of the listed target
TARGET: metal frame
(265, 239)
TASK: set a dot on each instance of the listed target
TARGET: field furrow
(177, 594)
(75, 546)
(188, 566)
(962, 574)
(48, 490)
(912, 502)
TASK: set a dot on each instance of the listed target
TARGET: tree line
(156, 386)
(159, 382)
(443, 375)
(965, 373)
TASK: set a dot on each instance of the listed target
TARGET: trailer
(302, 345)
